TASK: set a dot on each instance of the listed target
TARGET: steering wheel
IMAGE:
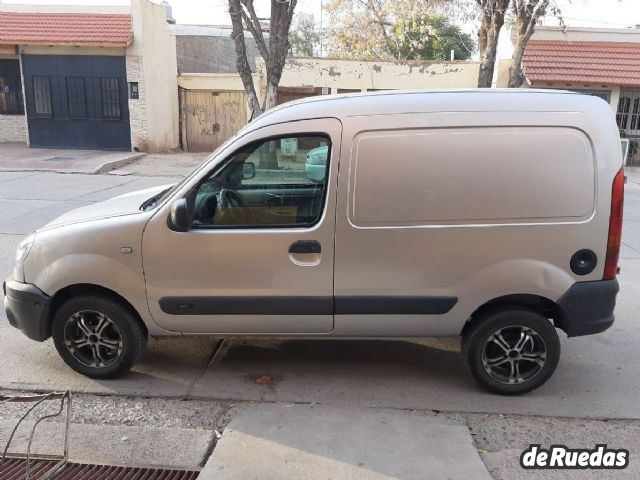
(229, 199)
(233, 209)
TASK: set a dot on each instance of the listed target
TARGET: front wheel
(512, 350)
(97, 336)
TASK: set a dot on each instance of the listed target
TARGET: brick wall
(137, 110)
(13, 128)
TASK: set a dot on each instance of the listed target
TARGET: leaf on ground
(264, 380)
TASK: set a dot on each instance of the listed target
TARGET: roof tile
(605, 63)
(23, 28)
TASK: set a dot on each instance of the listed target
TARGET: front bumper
(27, 306)
(587, 307)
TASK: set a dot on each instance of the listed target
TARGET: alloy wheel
(93, 339)
(514, 354)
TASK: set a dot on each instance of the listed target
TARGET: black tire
(119, 345)
(495, 337)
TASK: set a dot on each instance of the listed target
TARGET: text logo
(562, 457)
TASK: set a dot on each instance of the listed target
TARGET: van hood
(126, 204)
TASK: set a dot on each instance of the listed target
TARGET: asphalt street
(597, 377)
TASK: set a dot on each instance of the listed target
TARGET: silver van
(491, 215)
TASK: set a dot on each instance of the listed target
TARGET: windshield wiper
(152, 202)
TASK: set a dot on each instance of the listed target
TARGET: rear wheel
(512, 350)
(97, 336)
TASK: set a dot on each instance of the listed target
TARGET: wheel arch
(79, 289)
(535, 302)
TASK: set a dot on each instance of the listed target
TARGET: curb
(113, 164)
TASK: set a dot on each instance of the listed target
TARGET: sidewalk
(17, 157)
(314, 442)
(114, 445)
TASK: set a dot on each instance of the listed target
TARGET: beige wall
(151, 61)
(375, 75)
(224, 82)
(501, 73)
(336, 74)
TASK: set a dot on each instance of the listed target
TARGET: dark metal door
(75, 101)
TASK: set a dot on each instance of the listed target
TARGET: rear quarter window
(470, 176)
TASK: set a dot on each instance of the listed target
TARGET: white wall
(373, 75)
(584, 34)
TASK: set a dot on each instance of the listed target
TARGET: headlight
(24, 248)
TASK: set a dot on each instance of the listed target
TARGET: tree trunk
(243, 15)
(271, 95)
(516, 74)
(493, 12)
(488, 61)
(527, 16)
(242, 63)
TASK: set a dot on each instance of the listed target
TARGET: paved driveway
(597, 376)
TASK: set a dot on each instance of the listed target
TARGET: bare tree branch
(253, 25)
(242, 63)
(527, 15)
(243, 15)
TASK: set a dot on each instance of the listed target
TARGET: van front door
(258, 257)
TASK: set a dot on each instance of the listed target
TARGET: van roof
(424, 101)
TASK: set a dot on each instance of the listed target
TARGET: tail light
(615, 227)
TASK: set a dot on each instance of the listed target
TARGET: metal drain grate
(15, 469)
(49, 467)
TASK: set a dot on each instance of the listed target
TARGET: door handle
(305, 246)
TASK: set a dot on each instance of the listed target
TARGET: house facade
(594, 61)
(88, 77)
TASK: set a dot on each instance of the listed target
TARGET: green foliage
(304, 36)
(429, 37)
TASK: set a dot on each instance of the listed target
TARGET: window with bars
(603, 94)
(628, 114)
(42, 97)
(76, 98)
(110, 98)
(10, 88)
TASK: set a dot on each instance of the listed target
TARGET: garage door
(77, 101)
(210, 118)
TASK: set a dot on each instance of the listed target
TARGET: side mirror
(180, 215)
(248, 170)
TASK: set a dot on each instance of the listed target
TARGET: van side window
(277, 182)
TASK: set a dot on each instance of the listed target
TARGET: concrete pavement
(314, 442)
